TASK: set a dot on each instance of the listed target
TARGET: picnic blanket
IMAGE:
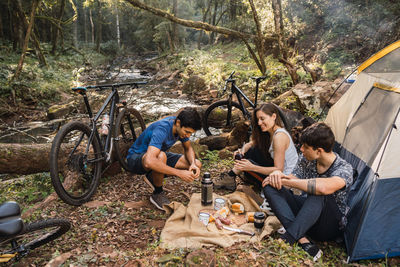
(184, 230)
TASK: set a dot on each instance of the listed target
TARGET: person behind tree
(271, 148)
(324, 178)
(148, 153)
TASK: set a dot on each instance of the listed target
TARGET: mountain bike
(224, 115)
(17, 239)
(79, 152)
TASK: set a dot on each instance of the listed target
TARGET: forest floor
(120, 227)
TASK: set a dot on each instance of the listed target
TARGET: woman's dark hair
(260, 139)
(318, 135)
(189, 117)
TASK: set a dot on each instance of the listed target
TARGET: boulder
(315, 97)
(60, 111)
(195, 84)
(215, 142)
(199, 149)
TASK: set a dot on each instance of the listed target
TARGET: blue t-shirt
(158, 134)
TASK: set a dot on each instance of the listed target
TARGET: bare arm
(314, 186)
(191, 158)
(281, 143)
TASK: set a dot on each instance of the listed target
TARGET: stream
(154, 100)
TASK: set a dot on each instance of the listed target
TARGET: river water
(154, 100)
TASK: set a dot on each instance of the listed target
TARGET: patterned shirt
(308, 169)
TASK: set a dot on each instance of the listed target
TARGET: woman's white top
(291, 155)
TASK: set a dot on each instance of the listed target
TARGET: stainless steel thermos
(206, 190)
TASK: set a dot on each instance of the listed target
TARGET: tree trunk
(75, 23)
(91, 24)
(85, 24)
(57, 28)
(260, 39)
(117, 22)
(1, 26)
(201, 34)
(24, 23)
(174, 26)
(35, 4)
(98, 29)
(213, 22)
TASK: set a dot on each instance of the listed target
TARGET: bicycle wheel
(128, 127)
(36, 234)
(75, 164)
(217, 120)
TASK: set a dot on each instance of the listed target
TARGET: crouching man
(148, 153)
(324, 178)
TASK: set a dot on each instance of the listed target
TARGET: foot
(225, 181)
(159, 200)
(312, 249)
(149, 180)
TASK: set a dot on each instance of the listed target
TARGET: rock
(213, 93)
(316, 96)
(214, 142)
(239, 134)
(199, 149)
(194, 84)
(60, 111)
(201, 257)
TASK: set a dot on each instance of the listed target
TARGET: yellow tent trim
(378, 55)
(386, 87)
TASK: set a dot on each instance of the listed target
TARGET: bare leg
(157, 176)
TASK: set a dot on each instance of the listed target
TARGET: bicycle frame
(113, 97)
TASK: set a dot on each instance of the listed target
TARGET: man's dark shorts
(135, 164)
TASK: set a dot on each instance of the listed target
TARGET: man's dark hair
(189, 117)
(318, 135)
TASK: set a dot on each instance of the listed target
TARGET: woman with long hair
(270, 148)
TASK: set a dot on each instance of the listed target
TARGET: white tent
(366, 124)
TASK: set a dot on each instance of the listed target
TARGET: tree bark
(118, 31)
(57, 28)
(25, 24)
(260, 42)
(35, 4)
(174, 26)
(98, 27)
(201, 34)
(91, 24)
(213, 21)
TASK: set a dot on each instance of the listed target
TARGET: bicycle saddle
(9, 209)
(11, 227)
(259, 79)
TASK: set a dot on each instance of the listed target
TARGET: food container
(219, 203)
(204, 217)
(259, 218)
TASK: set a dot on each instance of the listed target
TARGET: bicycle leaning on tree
(17, 238)
(79, 153)
(224, 115)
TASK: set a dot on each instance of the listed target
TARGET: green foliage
(110, 48)
(26, 190)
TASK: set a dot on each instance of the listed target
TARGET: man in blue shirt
(148, 154)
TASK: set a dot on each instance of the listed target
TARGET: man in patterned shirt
(319, 212)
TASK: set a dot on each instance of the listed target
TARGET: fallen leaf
(96, 204)
(169, 257)
(59, 260)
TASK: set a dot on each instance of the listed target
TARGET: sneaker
(266, 208)
(149, 180)
(312, 249)
(225, 181)
(159, 200)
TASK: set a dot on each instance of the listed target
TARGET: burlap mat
(184, 230)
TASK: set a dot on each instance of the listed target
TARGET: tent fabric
(366, 124)
(184, 230)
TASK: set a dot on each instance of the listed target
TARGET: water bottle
(206, 190)
(105, 124)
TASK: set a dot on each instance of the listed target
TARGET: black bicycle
(79, 153)
(224, 115)
(17, 239)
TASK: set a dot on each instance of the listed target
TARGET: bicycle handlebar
(229, 80)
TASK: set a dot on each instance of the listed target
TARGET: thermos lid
(207, 175)
(259, 215)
